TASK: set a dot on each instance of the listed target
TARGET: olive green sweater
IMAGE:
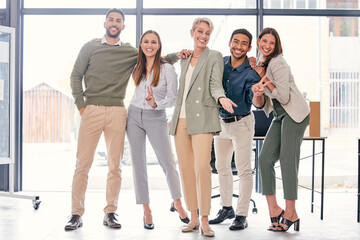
(106, 70)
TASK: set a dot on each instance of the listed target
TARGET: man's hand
(252, 61)
(260, 70)
(81, 110)
(227, 104)
(184, 54)
(150, 98)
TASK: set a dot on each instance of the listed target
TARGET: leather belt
(234, 118)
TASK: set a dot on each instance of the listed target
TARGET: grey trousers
(153, 124)
(282, 143)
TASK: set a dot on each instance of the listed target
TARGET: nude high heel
(207, 232)
(191, 227)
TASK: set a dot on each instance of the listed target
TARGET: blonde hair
(199, 20)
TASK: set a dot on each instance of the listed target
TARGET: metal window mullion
(139, 20)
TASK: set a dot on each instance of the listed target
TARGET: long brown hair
(140, 69)
(278, 48)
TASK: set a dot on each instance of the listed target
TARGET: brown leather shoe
(74, 223)
(111, 221)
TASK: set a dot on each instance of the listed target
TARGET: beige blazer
(201, 103)
(286, 92)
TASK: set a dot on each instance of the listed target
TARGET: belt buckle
(229, 120)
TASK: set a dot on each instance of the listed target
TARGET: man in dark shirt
(237, 130)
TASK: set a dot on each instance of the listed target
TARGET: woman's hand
(259, 88)
(185, 53)
(150, 98)
(227, 104)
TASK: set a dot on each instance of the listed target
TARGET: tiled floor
(18, 220)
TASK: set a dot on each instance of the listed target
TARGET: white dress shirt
(164, 93)
(104, 41)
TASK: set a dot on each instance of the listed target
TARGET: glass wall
(177, 38)
(50, 120)
(79, 4)
(5, 95)
(200, 4)
(324, 65)
(319, 49)
(311, 4)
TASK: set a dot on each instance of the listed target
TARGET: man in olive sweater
(105, 67)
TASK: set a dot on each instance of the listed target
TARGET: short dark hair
(242, 31)
(117, 10)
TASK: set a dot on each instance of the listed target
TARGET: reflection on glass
(50, 120)
(344, 27)
(200, 4)
(324, 64)
(79, 4)
(312, 4)
(4, 95)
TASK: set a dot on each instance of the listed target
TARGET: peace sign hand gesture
(259, 88)
(150, 98)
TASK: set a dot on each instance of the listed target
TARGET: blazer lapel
(184, 66)
(203, 57)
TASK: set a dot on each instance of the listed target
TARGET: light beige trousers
(95, 120)
(194, 155)
(235, 137)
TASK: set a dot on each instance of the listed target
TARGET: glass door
(7, 99)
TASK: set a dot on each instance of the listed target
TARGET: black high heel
(288, 223)
(276, 220)
(148, 226)
(173, 209)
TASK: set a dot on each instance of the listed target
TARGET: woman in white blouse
(156, 88)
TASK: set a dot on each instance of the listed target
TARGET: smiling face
(114, 24)
(267, 44)
(201, 35)
(150, 45)
(239, 46)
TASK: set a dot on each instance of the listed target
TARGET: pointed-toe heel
(208, 232)
(149, 226)
(173, 209)
(191, 227)
(288, 223)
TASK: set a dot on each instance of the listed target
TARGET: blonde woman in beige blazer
(196, 120)
(283, 139)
